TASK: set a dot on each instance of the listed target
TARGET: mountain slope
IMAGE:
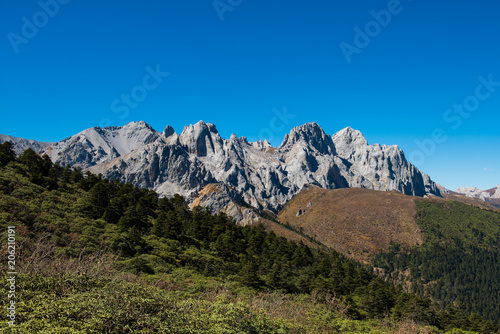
(459, 261)
(356, 222)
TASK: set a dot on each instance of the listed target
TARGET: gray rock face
(21, 144)
(380, 167)
(219, 197)
(232, 174)
(99, 145)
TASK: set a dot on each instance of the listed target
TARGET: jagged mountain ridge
(239, 173)
(99, 145)
(491, 196)
(384, 166)
(478, 193)
(21, 144)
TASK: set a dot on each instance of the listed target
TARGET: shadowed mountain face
(239, 173)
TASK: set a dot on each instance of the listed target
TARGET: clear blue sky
(234, 64)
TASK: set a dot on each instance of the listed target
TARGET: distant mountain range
(21, 144)
(491, 196)
(234, 175)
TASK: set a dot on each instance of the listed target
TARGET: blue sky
(258, 68)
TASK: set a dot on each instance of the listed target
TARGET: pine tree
(7, 153)
(167, 226)
(248, 274)
(35, 164)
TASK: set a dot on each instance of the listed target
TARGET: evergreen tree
(96, 201)
(35, 164)
(167, 225)
(7, 153)
(248, 274)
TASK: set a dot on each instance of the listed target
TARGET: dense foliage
(84, 214)
(459, 262)
(76, 304)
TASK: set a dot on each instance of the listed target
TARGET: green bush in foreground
(69, 303)
(72, 304)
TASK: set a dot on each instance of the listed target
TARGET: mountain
(99, 145)
(237, 176)
(381, 167)
(394, 233)
(491, 196)
(258, 175)
(21, 144)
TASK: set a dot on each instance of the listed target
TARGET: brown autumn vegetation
(356, 222)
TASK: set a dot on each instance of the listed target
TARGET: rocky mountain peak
(380, 167)
(491, 196)
(348, 140)
(98, 145)
(465, 190)
(496, 192)
(309, 135)
(170, 136)
(21, 144)
(168, 131)
(139, 125)
(262, 145)
(201, 139)
(474, 192)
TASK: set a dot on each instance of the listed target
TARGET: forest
(459, 262)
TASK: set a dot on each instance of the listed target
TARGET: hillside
(106, 257)
(356, 222)
(440, 248)
(463, 243)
